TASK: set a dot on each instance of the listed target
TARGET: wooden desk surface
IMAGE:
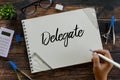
(104, 8)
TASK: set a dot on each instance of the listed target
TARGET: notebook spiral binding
(27, 45)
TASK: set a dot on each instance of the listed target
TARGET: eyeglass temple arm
(34, 3)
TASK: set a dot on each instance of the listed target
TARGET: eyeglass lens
(30, 10)
(45, 3)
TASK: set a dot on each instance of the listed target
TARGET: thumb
(96, 60)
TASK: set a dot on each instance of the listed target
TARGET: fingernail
(94, 53)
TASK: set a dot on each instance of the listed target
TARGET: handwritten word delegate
(47, 37)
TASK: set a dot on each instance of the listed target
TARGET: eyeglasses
(32, 7)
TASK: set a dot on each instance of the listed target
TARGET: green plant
(7, 11)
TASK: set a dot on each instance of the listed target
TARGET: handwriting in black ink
(47, 37)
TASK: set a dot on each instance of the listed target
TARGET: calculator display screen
(5, 33)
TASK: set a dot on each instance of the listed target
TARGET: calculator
(6, 36)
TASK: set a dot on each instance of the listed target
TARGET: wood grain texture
(104, 10)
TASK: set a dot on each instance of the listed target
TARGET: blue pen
(107, 35)
(14, 67)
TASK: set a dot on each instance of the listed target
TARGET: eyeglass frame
(36, 3)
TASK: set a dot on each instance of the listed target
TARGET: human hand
(101, 68)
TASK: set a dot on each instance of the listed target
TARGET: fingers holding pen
(96, 60)
(104, 52)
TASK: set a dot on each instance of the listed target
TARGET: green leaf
(7, 11)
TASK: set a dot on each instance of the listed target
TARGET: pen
(108, 60)
(12, 64)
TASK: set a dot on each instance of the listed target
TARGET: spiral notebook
(62, 39)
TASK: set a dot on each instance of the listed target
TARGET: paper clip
(14, 67)
(108, 34)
